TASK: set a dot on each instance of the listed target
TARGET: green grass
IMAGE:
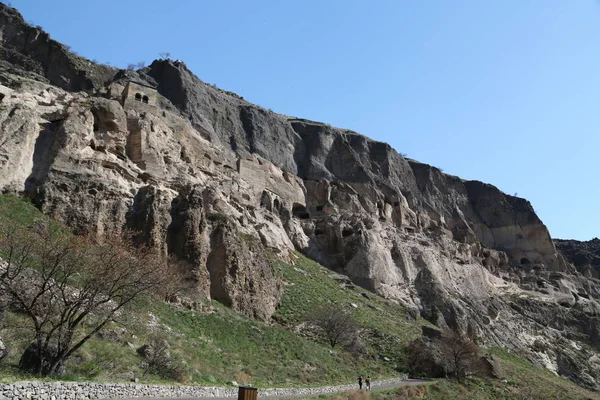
(310, 285)
(223, 345)
(18, 209)
(20, 212)
(217, 345)
(523, 382)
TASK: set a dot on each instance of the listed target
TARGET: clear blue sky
(507, 92)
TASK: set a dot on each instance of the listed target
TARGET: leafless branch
(70, 287)
(336, 324)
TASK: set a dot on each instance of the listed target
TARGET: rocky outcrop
(77, 169)
(32, 50)
(219, 183)
(240, 275)
(584, 255)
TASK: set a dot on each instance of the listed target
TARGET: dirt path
(407, 382)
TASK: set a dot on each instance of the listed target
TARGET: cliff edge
(218, 183)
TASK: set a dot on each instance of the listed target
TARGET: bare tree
(460, 355)
(156, 354)
(130, 67)
(70, 287)
(165, 55)
(337, 325)
(140, 64)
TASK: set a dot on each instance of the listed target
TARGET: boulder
(431, 333)
(425, 359)
(31, 361)
(489, 366)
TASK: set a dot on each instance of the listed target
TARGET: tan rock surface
(217, 182)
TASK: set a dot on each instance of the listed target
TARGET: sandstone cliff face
(216, 182)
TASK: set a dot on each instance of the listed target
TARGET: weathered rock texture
(31, 49)
(585, 256)
(215, 181)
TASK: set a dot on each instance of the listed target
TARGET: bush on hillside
(451, 354)
(335, 324)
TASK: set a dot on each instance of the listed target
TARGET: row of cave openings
(270, 201)
(143, 99)
(299, 211)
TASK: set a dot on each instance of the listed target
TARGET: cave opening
(299, 211)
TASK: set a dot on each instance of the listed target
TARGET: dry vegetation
(213, 345)
(69, 287)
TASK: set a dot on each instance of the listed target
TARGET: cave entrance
(299, 211)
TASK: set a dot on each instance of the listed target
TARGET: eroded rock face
(78, 169)
(240, 275)
(31, 49)
(216, 182)
(585, 256)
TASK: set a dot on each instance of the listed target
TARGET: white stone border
(90, 390)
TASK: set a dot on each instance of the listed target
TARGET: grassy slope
(219, 345)
(524, 382)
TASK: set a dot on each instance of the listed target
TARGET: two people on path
(367, 381)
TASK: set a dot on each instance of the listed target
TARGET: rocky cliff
(585, 256)
(219, 183)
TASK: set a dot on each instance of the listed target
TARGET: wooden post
(247, 393)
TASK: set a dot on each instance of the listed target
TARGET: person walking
(368, 382)
(360, 380)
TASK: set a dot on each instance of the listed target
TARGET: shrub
(242, 377)
(216, 217)
(157, 356)
(336, 324)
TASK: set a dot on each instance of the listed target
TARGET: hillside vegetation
(213, 345)
(523, 382)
